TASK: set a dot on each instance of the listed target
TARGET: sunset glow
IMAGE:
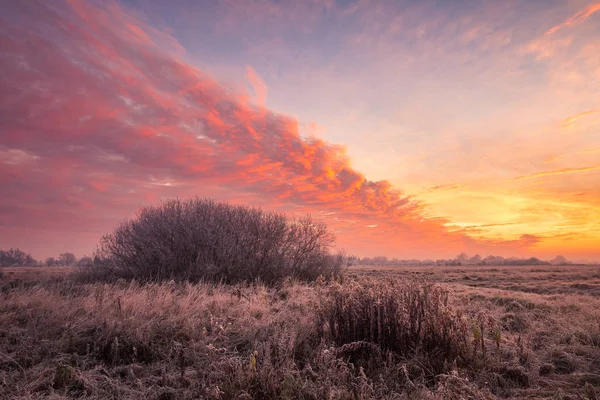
(414, 129)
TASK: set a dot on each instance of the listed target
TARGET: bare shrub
(407, 319)
(200, 239)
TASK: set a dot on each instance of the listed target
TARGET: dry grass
(138, 341)
(549, 319)
(376, 335)
(21, 275)
(407, 319)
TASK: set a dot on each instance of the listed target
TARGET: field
(543, 280)
(533, 332)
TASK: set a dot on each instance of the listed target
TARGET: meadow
(376, 332)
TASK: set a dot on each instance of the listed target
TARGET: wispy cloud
(448, 186)
(577, 153)
(16, 156)
(559, 172)
(577, 18)
(568, 122)
(590, 151)
(260, 88)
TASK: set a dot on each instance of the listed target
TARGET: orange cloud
(568, 122)
(583, 152)
(577, 18)
(590, 151)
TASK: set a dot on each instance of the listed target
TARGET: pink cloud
(260, 88)
(101, 115)
(577, 18)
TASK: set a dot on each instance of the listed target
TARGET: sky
(414, 129)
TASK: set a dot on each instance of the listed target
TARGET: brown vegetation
(374, 335)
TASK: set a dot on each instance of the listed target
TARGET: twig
(15, 361)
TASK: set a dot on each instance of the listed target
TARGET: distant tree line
(16, 257)
(461, 259)
(19, 258)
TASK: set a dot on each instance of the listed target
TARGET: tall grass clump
(201, 239)
(410, 320)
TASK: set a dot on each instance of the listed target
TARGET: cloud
(529, 240)
(15, 156)
(260, 88)
(448, 186)
(590, 151)
(560, 172)
(577, 18)
(569, 58)
(100, 115)
(568, 122)
(478, 226)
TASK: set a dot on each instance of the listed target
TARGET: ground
(60, 338)
(554, 311)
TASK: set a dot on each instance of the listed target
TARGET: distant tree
(462, 258)
(67, 259)
(50, 262)
(493, 260)
(366, 261)
(85, 262)
(559, 260)
(352, 260)
(512, 261)
(475, 260)
(380, 260)
(15, 257)
(535, 261)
